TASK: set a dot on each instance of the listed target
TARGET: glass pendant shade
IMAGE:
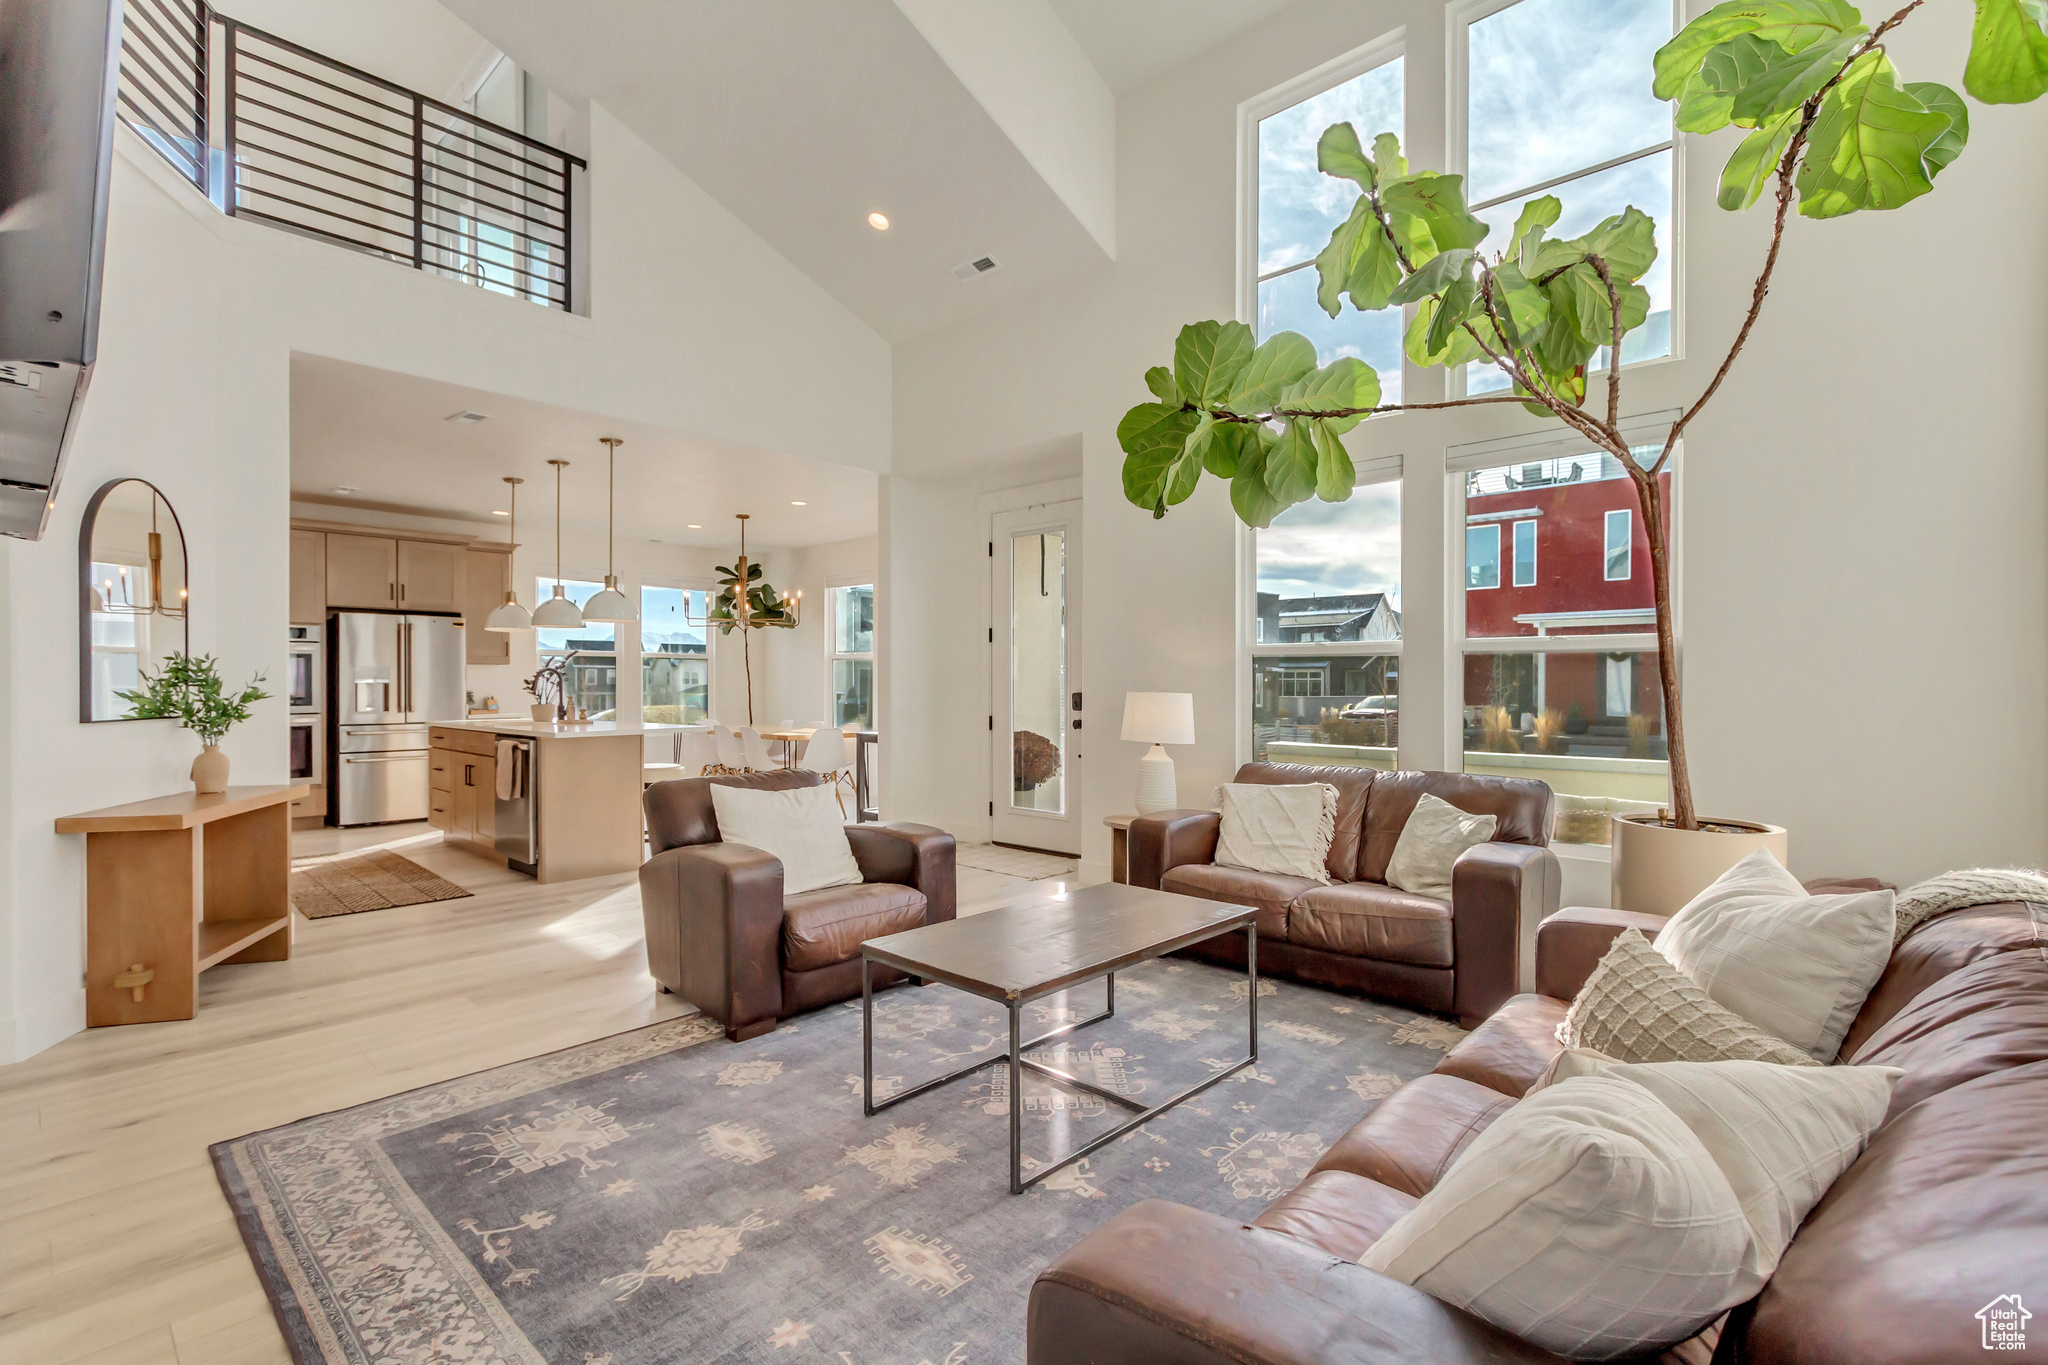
(558, 612)
(509, 617)
(610, 604)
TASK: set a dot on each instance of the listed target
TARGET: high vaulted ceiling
(1134, 41)
(803, 117)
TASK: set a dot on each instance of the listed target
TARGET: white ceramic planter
(1656, 870)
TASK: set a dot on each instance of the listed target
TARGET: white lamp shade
(558, 612)
(509, 617)
(610, 604)
(1159, 717)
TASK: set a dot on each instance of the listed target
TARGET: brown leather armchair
(721, 934)
(1463, 956)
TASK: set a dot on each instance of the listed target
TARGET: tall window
(1560, 669)
(675, 657)
(1326, 666)
(853, 655)
(1557, 101)
(1525, 554)
(1299, 207)
(590, 672)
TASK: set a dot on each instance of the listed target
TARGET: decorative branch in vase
(1831, 127)
(190, 691)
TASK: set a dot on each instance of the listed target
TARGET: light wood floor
(116, 1245)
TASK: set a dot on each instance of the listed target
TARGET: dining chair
(826, 753)
(696, 750)
(757, 755)
(732, 755)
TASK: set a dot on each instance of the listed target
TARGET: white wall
(690, 320)
(800, 671)
(1865, 574)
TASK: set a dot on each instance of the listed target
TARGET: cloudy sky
(1320, 548)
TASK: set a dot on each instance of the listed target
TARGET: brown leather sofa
(1463, 956)
(721, 934)
(1946, 1210)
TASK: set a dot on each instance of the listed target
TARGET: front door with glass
(1035, 726)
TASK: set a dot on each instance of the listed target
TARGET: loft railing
(163, 90)
(318, 147)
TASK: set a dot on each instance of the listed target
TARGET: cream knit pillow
(1283, 828)
(1637, 1007)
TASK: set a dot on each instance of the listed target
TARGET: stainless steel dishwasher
(518, 828)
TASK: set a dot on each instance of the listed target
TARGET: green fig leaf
(1159, 379)
(1438, 202)
(1345, 383)
(1279, 361)
(1868, 147)
(1942, 100)
(1793, 25)
(2008, 52)
(1335, 474)
(1291, 465)
(1208, 357)
(1338, 154)
(1755, 162)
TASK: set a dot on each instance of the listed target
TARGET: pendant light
(558, 612)
(610, 604)
(511, 616)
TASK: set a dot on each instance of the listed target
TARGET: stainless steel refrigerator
(393, 676)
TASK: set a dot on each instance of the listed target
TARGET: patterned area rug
(369, 881)
(666, 1196)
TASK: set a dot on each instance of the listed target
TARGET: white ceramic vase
(1657, 869)
(210, 770)
(542, 714)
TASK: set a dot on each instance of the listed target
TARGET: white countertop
(596, 729)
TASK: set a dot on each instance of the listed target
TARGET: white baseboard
(1092, 872)
(42, 1026)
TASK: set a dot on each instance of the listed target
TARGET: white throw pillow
(1795, 964)
(1436, 833)
(1781, 1134)
(1588, 1220)
(801, 826)
(1285, 829)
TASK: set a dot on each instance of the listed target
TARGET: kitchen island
(565, 803)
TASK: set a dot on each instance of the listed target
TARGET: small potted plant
(190, 691)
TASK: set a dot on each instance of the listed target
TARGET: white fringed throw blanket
(1957, 890)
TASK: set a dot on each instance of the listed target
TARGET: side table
(1119, 847)
(178, 884)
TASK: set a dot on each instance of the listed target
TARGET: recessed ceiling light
(799, 504)
(464, 418)
(344, 489)
(499, 513)
(693, 526)
(879, 221)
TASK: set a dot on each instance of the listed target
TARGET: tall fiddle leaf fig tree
(1830, 127)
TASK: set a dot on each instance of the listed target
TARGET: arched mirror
(132, 594)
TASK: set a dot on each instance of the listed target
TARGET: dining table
(794, 737)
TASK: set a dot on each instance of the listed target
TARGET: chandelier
(116, 596)
(745, 600)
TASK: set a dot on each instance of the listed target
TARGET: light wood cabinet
(430, 575)
(362, 571)
(391, 573)
(462, 795)
(488, 578)
(309, 578)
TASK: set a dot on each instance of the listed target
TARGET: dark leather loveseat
(1945, 1213)
(1463, 956)
(721, 934)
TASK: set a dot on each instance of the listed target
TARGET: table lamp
(1158, 718)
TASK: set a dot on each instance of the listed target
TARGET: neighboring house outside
(1313, 620)
(1557, 547)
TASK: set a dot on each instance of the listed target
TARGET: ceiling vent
(464, 419)
(980, 265)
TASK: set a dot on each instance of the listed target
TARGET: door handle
(469, 774)
(379, 758)
(407, 656)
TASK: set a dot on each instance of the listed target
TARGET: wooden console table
(175, 885)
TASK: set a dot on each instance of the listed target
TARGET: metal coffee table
(1023, 953)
